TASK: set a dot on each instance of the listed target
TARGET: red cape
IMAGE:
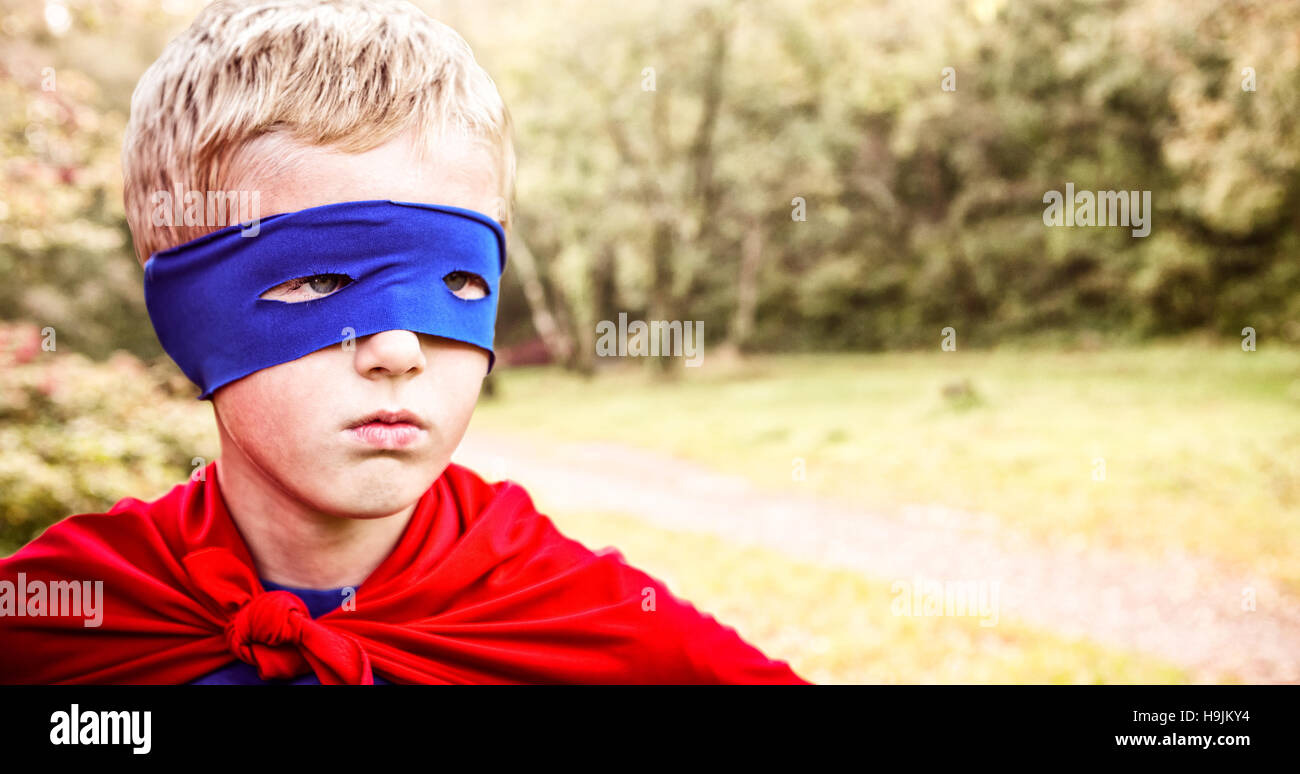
(481, 588)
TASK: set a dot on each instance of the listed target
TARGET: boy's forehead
(289, 176)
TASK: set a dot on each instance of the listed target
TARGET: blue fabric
(319, 602)
(204, 296)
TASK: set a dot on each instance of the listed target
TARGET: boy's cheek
(294, 407)
(270, 396)
(289, 421)
(287, 413)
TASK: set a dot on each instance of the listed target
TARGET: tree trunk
(751, 256)
(558, 341)
(661, 303)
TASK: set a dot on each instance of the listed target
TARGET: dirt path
(1183, 608)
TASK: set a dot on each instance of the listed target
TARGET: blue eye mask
(204, 296)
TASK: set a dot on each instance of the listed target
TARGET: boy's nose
(389, 353)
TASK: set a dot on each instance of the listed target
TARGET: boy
(342, 336)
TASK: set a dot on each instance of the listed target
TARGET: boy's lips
(390, 417)
(387, 429)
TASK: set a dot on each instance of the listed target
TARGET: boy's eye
(307, 288)
(466, 285)
(326, 283)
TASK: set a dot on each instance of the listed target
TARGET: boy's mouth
(387, 429)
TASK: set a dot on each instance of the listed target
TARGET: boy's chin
(372, 491)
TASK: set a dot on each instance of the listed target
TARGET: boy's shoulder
(128, 518)
(668, 638)
(169, 516)
(487, 556)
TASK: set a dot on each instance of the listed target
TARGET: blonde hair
(347, 74)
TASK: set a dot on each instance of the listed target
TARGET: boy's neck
(294, 545)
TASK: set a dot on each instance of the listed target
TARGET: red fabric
(481, 588)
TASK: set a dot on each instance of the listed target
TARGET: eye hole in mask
(466, 285)
(307, 288)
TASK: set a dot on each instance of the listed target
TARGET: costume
(205, 296)
(318, 602)
(481, 588)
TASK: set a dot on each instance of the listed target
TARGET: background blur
(1103, 449)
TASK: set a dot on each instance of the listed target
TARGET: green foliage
(655, 139)
(65, 250)
(75, 436)
(924, 205)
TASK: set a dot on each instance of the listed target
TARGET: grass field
(1187, 447)
(833, 626)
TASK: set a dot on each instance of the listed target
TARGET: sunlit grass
(834, 626)
(1200, 444)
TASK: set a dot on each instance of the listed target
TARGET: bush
(77, 436)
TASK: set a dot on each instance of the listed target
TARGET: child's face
(292, 421)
